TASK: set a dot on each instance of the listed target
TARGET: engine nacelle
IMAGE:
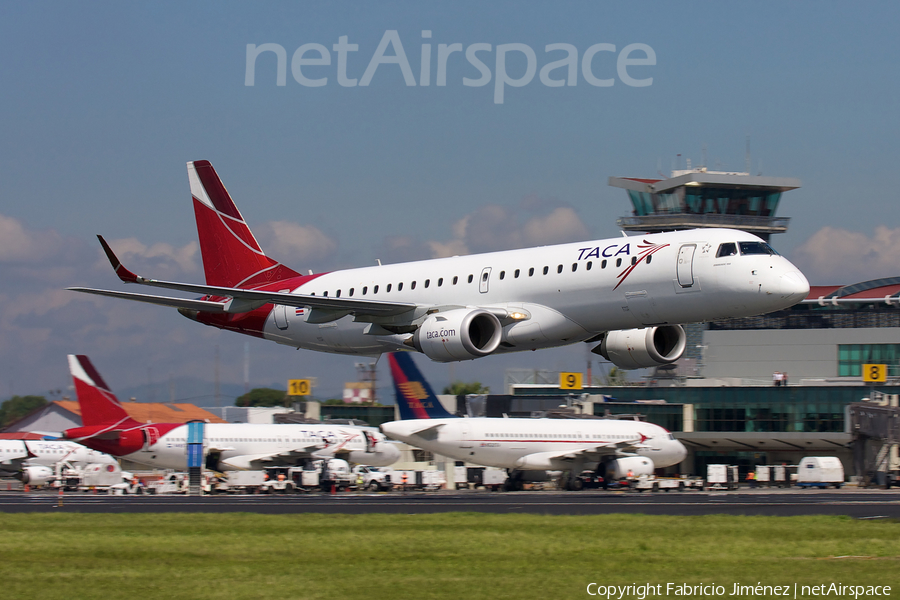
(36, 475)
(642, 348)
(461, 334)
(633, 465)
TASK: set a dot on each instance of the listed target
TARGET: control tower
(696, 198)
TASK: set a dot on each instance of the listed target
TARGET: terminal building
(721, 399)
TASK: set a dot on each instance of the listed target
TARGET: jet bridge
(876, 436)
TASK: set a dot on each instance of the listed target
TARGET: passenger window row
(502, 276)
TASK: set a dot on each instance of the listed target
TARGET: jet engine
(621, 467)
(642, 348)
(461, 334)
(35, 475)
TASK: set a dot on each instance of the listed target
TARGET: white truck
(287, 480)
(475, 477)
(820, 471)
(232, 482)
(170, 483)
(772, 476)
(104, 476)
(430, 479)
(335, 474)
(666, 484)
(722, 477)
(374, 479)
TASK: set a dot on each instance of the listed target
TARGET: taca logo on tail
(415, 398)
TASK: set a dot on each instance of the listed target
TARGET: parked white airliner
(107, 427)
(34, 461)
(627, 295)
(615, 448)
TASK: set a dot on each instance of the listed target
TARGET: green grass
(460, 556)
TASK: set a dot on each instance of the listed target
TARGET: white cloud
(560, 226)
(839, 256)
(163, 259)
(493, 227)
(295, 245)
(21, 245)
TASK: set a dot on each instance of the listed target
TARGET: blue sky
(104, 103)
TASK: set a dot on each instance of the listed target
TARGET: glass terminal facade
(700, 200)
(851, 358)
(723, 409)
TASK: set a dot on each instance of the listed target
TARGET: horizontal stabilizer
(245, 300)
(428, 433)
(201, 305)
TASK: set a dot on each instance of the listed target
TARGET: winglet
(123, 273)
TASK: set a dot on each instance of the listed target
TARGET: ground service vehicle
(722, 477)
(430, 479)
(820, 471)
(374, 479)
(666, 484)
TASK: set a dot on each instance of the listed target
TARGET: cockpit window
(756, 248)
(729, 249)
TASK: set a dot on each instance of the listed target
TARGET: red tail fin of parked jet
(99, 406)
(106, 425)
(231, 255)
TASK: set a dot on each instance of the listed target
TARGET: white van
(820, 471)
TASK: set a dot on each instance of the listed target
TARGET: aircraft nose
(682, 452)
(391, 452)
(793, 286)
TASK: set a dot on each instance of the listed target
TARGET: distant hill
(187, 389)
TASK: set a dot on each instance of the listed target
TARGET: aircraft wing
(242, 300)
(270, 459)
(551, 460)
(14, 464)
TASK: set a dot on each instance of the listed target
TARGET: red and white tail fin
(231, 255)
(99, 406)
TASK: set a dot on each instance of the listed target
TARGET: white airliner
(614, 448)
(627, 295)
(107, 427)
(34, 461)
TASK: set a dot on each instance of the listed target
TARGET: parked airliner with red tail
(107, 427)
(627, 295)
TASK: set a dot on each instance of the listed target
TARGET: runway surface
(850, 502)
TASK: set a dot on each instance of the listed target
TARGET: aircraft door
(465, 436)
(686, 265)
(151, 436)
(485, 280)
(280, 315)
